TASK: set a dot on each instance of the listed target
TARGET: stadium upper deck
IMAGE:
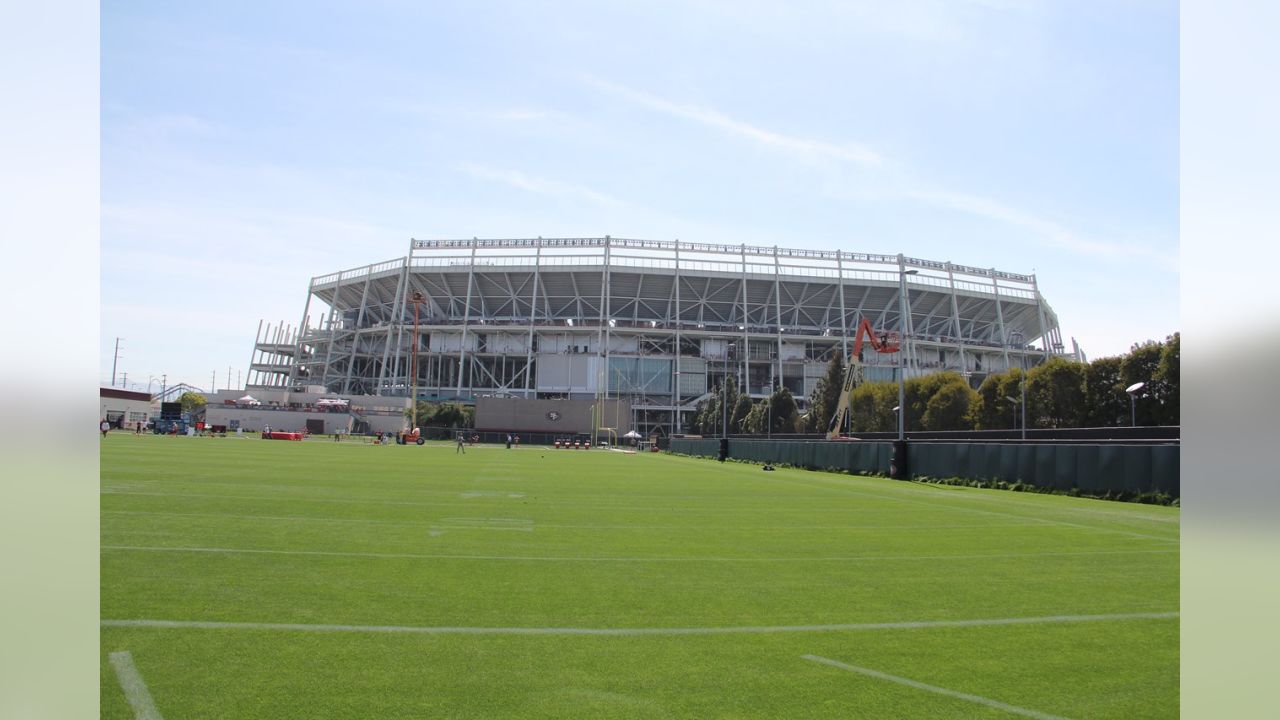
(658, 321)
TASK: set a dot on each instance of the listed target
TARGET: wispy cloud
(898, 178)
(540, 186)
(804, 147)
(1047, 231)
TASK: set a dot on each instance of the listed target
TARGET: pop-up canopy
(331, 401)
(248, 400)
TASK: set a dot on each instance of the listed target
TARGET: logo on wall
(553, 416)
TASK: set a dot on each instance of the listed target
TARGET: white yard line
(935, 689)
(1030, 522)
(926, 503)
(135, 690)
(536, 558)
(739, 630)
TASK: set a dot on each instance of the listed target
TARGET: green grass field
(257, 579)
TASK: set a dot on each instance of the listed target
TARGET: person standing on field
(462, 445)
(104, 426)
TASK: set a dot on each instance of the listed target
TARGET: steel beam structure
(604, 317)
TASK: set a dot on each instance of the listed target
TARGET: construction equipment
(882, 342)
(411, 436)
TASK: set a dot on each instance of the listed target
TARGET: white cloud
(1044, 230)
(540, 186)
(1040, 229)
(803, 147)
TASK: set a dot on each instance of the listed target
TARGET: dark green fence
(1090, 468)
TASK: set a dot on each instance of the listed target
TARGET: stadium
(655, 323)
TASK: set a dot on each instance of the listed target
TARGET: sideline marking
(563, 558)
(934, 689)
(913, 501)
(426, 630)
(135, 690)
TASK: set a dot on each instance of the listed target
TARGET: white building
(124, 409)
(656, 323)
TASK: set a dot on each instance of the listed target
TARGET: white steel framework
(658, 322)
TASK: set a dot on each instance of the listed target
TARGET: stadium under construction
(657, 324)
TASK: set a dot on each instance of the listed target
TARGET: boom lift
(883, 342)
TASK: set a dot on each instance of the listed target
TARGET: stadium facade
(656, 323)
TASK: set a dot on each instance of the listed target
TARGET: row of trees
(444, 414)
(776, 414)
(1060, 393)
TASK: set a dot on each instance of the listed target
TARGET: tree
(448, 415)
(756, 421)
(1168, 373)
(990, 410)
(191, 401)
(826, 395)
(871, 407)
(695, 425)
(1142, 365)
(781, 410)
(948, 409)
(1105, 404)
(739, 414)
(1055, 394)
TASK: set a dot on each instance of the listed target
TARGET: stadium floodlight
(902, 361)
(1133, 391)
(416, 299)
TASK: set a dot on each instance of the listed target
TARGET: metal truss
(507, 316)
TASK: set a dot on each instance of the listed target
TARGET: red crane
(882, 342)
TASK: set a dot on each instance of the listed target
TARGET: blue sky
(247, 148)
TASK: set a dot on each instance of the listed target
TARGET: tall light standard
(902, 362)
(769, 405)
(724, 392)
(1016, 338)
(1133, 391)
(417, 299)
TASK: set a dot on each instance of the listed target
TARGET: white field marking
(553, 502)
(536, 558)
(934, 689)
(1029, 522)
(926, 503)
(1021, 500)
(738, 630)
(135, 690)
(462, 524)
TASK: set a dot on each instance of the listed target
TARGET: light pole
(1014, 402)
(902, 363)
(417, 299)
(724, 392)
(769, 405)
(114, 360)
(1133, 391)
(1016, 338)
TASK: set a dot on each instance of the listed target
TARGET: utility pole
(124, 380)
(213, 382)
(115, 359)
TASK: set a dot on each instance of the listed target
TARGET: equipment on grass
(883, 342)
(412, 436)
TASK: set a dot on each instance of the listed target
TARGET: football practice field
(244, 578)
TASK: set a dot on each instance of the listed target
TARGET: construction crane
(882, 342)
